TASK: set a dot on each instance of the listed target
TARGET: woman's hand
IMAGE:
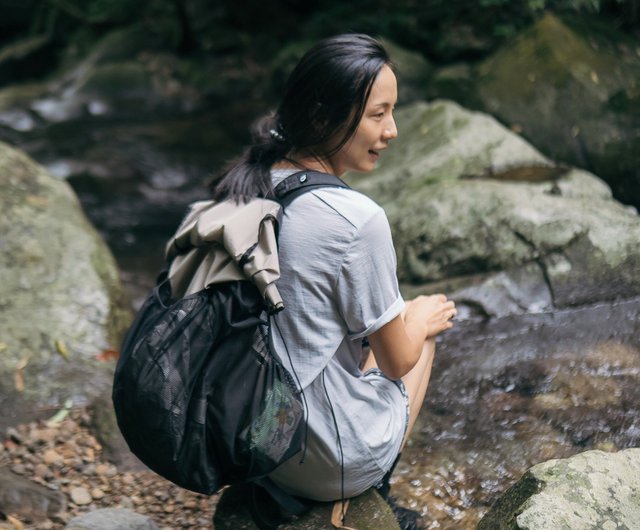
(434, 312)
(397, 345)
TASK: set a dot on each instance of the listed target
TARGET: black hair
(324, 96)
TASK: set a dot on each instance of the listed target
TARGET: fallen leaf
(61, 348)
(22, 363)
(108, 355)
(18, 380)
(61, 414)
(3, 346)
(18, 376)
(17, 525)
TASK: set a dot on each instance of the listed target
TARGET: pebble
(80, 496)
(14, 435)
(103, 469)
(97, 493)
(44, 435)
(51, 457)
(42, 471)
(126, 502)
(19, 469)
(136, 500)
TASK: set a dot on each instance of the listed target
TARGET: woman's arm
(398, 344)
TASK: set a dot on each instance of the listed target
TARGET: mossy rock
(593, 489)
(413, 71)
(62, 300)
(571, 90)
(465, 196)
(366, 512)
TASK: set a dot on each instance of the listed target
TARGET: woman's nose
(390, 131)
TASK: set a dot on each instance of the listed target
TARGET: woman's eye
(378, 115)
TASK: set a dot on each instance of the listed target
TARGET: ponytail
(249, 176)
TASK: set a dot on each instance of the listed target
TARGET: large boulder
(61, 302)
(413, 71)
(572, 90)
(471, 201)
(593, 489)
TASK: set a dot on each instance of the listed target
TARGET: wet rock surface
(510, 393)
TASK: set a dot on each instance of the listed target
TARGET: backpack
(198, 394)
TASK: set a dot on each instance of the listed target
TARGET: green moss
(503, 513)
(118, 79)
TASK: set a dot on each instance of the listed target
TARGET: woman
(338, 272)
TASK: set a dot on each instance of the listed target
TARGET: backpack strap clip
(298, 183)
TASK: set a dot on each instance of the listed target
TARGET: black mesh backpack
(198, 395)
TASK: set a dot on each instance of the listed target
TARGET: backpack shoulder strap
(295, 185)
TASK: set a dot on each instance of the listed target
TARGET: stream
(505, 394)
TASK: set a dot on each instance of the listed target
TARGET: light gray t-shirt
(338, 283)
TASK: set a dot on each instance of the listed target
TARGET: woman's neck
(305, 162)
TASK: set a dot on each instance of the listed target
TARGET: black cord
(304, 398)
(335, 422)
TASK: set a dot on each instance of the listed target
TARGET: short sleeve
(367, 286)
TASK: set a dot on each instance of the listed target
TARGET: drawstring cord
(339, 510)
(304, 398)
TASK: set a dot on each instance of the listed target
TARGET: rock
(22, 498)
(413, 71)
(124, 74)
(366, 512)
(51, 457)
(593, 489)
(467, 198)
(572, 90)
(62, 301)
(455, 81)
(111, 519)
(80, 496)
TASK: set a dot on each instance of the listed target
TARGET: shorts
(403, 390)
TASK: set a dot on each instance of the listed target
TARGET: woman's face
(375, 130)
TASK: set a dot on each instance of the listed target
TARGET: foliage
(443, 30)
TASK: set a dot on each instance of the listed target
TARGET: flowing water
(505, 394)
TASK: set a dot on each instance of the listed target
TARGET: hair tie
(276, 135)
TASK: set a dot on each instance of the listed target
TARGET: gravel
(67, 458)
